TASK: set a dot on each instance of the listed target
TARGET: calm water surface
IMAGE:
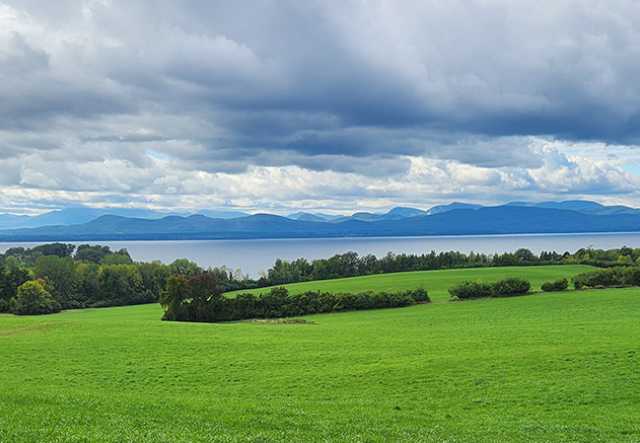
(255, 256)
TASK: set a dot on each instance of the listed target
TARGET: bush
(510, 287)
(471, 289)
(603, 278)
(631, 276)
(180, 304)
(556, 285)
(420, 295)
(32, 299)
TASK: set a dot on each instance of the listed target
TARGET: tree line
(66, 276)
(57, 276)
(351, 264)
(200, 298)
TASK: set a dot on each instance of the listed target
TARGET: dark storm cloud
(322, 78)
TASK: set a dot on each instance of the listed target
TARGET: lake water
(255, 256)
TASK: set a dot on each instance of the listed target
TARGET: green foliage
(608, 278)
(199, 298)
(351, 264)
(555, 285)
(92, 253)
(602, 278)
(60, 275)
(33, 299)
(507, 287)
(631, 276)
(511, 286)
(121, 285)
(12, 275)
(185, 267)
(121, 257)
(471, 289)
(57, 249)
(154, 276)
(94, 276)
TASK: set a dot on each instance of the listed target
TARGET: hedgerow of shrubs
(510, 287)
(608, 278)
(503, 288)
(555, 286)
(199, 299)
(471, 289)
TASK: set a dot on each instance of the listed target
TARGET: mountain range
(453, 219)
(83, 214)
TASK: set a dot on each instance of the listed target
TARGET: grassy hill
(436, 282)
(546, 367)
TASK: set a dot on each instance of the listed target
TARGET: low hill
(436, 282)
(544, 368)
(83, 214)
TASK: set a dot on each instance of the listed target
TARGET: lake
(255, 256)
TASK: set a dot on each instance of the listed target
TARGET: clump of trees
(199, 298)
(508, 287)
(90, 276)
(608, 278)
(555, 286)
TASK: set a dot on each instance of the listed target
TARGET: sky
(332, 106)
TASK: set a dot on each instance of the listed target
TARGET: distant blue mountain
(452, 206)
(507, 219)
(584, 206)
(219, 213)
(11, 221)
(83, 214)
(396, 213)
(310, 216)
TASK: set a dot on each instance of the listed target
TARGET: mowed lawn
(437, 282)
(545, 367)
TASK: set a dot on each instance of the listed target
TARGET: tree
(182, 266)
(121, 285)
(154, 277)
(33, 299)
(59, 273)
(116, 259)
(171, 299)
(57, 249)
(91, 253)
(12, 275)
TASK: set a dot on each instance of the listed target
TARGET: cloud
(369, 102)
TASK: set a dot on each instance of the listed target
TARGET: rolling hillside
(551, 367)
(437, 282)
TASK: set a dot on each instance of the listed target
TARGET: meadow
(436, 282)
(544, 367)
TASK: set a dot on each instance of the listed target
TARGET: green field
(436, 282)
(545, 367)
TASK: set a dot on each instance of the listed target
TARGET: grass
(437, 283)
(546, 367)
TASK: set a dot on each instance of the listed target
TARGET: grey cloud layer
(168, 90)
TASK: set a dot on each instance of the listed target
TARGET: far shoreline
(173, 237)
